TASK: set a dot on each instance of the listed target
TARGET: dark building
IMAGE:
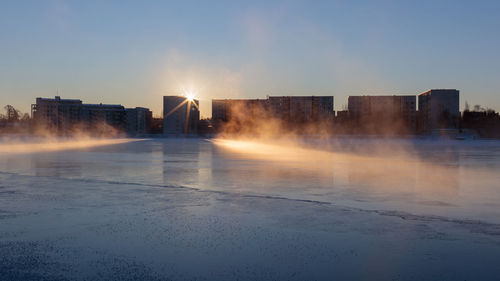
(485, 123)
(438, 109)
(383, 114)
(180, 115)
(224, 110)
(138, 120)
(288, 109)
(65, 115)
(220, 110)
(302, 109)
(56, 114)
(157, 126)
(113, 115)
(205, 127)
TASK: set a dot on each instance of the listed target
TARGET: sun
(190, 96)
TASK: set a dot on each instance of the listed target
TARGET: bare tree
(12, 113)
(25, 118)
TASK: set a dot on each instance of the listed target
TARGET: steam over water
(16, 146)
(458, 179)
(428, 177)
(147, 209)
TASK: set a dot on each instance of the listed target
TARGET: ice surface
(193, 210)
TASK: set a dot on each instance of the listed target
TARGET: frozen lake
(194, 209)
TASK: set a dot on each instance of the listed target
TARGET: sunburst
(190, 100)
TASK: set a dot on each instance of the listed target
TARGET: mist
(49, 139)
(35, 145)
(367, 170)
(384, 164)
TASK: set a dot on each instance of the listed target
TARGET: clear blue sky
(134, 52)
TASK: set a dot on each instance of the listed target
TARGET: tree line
(13, 115)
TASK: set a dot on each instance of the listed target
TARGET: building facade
(64, 115)
(438, 109)
(56, 114)
(381, 114)
(138, 120)
(180, 116)
(289, 109)
(224, 110)
(95, 115)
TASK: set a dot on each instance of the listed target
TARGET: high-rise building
(438, 109)
(180, 115)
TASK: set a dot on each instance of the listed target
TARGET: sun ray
(187, 116)
(175, 108)
(195, 105)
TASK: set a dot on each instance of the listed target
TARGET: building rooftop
(103, 105)
(58, 98)
(428, 91)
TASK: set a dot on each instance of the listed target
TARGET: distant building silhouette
(485, 123)
(438, 109)
(224, 110)
(138, 120)
(59, 114)
(180, 116)
(383, 114)
(64, 115)
(157, 126)
(291, 111)
(110, 114)
(302, 109)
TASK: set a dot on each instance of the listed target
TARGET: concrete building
(180, 116)
(56, 114)
(220, 110)
(438, 109)
(302, 109)
(224, 110)
(322, 108)
(64, 115)
(138, 120)
(384, 113)
(113, 115)
(280, 107)
(294, 109)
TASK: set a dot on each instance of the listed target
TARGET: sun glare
(190, 96)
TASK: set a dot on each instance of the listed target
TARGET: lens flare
(190, 96)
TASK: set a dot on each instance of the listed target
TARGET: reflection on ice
(401, 175)
(395, 170)
(316, 210)
(450, 179)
